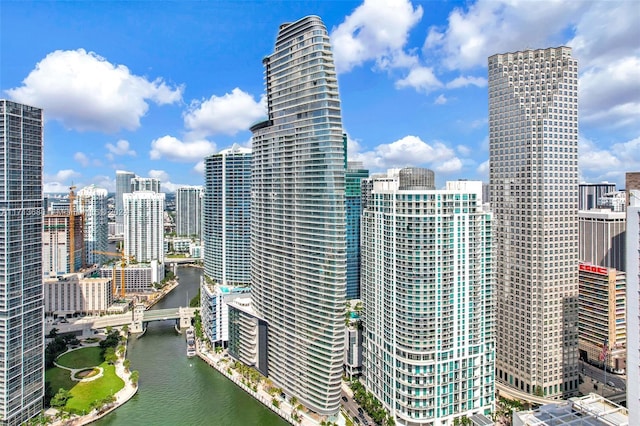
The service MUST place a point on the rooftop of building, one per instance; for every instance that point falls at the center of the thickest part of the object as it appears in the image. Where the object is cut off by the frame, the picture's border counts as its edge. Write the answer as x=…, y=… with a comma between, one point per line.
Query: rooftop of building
x=589, y=410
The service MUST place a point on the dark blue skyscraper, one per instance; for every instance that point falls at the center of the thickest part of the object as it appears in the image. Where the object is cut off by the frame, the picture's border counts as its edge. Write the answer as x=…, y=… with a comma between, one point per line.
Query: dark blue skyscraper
x=353, y=197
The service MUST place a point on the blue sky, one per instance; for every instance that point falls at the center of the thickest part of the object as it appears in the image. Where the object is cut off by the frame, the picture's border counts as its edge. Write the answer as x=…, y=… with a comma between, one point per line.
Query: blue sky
x=154, y=87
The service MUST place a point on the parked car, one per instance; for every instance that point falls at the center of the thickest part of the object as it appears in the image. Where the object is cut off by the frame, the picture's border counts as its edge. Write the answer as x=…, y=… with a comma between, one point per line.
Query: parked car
x=344, y=398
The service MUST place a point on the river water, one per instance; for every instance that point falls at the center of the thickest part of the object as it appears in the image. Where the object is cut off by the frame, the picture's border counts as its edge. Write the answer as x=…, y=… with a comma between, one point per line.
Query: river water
x=176, y=390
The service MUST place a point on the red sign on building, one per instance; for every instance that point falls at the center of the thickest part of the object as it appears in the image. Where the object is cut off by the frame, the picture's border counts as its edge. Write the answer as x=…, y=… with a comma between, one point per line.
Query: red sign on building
x=593, y=268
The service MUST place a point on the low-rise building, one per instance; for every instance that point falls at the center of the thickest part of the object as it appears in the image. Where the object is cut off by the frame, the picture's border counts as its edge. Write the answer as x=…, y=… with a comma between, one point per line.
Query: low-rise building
x=76, y=293
x=589, y=410
x=214, y=310
x=138, y=278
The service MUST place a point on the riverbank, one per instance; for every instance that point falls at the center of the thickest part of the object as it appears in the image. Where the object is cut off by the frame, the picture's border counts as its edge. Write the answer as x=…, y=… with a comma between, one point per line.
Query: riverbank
x=223, y=363
x=121, y=397
x=159, y=295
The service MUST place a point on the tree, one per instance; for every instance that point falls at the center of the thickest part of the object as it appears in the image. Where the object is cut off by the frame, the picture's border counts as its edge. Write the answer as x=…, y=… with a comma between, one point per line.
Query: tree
x=134, y=377
x=126, y=363
x=125, y=329
x=60, y=399
x=110, y=355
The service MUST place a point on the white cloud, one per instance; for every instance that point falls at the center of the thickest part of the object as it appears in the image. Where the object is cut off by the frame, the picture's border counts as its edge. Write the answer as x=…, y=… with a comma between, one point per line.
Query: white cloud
x=159, y=174
x=610, y=95
x=120, y=148
x=106, y=182
x=483, y=170
x=467, y=81
x=441, y=100
x=199, y=167
x=464, y=150
x=376, y=30
x=227, y=114
x=608, y=54
x=495, y=26
x=84, y=91
x=597, y=164
x=420, y=78
x=174, y=149
x=81, y=158
x=60, y=181
x=449, y=166
x=410, y=151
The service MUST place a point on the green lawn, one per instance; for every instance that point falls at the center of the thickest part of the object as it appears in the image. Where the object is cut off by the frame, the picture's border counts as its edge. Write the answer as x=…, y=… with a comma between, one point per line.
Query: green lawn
x=59, y=378
x=81, y=358
x=83, y=394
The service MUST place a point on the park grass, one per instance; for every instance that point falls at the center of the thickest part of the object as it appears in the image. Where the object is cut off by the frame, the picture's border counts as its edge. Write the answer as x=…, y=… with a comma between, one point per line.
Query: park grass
x=59, y=378
x=81, y=358
x=84, y=393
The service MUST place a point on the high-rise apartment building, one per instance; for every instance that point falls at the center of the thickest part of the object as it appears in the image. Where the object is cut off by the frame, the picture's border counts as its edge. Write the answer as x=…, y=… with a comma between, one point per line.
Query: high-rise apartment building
x=92, y=203
x=298, y=243
x=123, y=186
x=145, y=184
x=589, y=194
x=21, y=297
x=57, y=256
x=633, y=293
x=533, y=139
x=353, y=199
x=227, y=216
x=189, y=211
x=427, y=291
x=601, y=235
x=144, y=226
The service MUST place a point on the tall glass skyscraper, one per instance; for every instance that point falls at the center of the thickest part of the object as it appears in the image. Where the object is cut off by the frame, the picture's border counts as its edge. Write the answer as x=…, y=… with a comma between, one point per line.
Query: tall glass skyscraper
x=353, y=196
x=21, y=294
x=123, y=186
x=227, y=216
x=533, y=155
x=92, y=202
x=427, y=291
x=298, y=244
x=189, y=211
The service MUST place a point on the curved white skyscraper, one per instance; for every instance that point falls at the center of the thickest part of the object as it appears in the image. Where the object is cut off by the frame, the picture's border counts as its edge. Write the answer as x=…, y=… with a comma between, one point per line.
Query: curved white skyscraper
x=298, y=242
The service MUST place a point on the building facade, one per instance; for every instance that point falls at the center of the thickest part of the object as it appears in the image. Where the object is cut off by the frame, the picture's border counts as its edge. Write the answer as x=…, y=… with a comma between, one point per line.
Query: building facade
x=214, y=309
x=602, y=317
x=21, y=295
x=298, y=219
x=138, y=278
x=590, y=194
x=227, y=216
x=123, y=186
x=533, y=156
x=92, y=203
x=427, y=293
x=633, y=294
x=57, y=256
x=602, y=238
x=144, y=226
x=75, y=293
x=189, y=211
x=353, y=200
x=145, y=184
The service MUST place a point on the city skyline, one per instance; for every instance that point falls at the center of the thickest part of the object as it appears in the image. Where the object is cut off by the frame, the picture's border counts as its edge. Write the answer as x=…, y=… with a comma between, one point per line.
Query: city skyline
x=165, y=104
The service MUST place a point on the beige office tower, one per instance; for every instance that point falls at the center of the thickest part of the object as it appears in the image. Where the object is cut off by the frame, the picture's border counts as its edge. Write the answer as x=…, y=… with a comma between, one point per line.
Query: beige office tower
x=533, y=137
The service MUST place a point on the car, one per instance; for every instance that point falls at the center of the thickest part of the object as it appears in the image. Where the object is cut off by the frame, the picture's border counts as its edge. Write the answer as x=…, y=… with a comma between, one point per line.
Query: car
x=613, y=385
x=360, y=410
x=356, y=420
x=344, y=398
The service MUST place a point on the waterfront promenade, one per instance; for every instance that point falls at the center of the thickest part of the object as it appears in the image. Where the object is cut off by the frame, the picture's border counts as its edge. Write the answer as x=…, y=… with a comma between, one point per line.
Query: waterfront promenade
x=222, y=362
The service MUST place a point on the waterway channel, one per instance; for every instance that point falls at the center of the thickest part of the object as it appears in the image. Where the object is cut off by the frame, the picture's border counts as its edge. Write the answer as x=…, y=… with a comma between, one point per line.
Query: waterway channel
x=176, y=390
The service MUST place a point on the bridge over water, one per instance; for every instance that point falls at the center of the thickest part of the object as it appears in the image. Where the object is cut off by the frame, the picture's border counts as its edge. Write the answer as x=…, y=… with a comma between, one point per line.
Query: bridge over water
x=137, y=320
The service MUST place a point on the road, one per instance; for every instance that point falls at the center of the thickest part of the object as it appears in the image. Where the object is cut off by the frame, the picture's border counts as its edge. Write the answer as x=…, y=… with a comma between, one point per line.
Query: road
x=596, y=373
x=351, y=407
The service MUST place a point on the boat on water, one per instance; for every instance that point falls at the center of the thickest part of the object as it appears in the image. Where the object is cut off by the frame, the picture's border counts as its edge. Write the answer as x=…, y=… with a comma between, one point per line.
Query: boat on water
x=191, y=342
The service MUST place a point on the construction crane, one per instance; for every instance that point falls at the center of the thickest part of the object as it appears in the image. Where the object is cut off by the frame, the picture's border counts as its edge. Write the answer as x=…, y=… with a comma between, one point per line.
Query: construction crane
x=123, y=264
